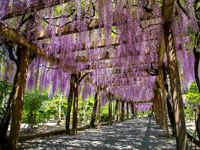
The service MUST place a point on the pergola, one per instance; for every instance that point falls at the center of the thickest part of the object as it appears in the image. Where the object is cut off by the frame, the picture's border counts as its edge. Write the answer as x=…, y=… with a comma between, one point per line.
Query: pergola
x=112, y=49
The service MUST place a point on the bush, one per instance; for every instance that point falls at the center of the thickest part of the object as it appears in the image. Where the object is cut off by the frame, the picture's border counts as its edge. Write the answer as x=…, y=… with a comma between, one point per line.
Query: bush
x=33, y=112
x=5, y=89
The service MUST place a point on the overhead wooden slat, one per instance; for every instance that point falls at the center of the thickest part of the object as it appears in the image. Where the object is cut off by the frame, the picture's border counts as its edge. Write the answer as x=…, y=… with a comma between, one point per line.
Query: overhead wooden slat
x=91, y=25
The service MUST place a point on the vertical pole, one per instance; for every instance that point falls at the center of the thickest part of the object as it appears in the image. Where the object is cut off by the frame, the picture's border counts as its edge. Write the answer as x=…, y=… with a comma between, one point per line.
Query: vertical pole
x=59, y=110
x=110, y=109
x=161, y=54
x=132, y=109
x=155, y=109
x=123, y=111
x=160, y=111
x=181, y=136
x=70, y=99
x=118, y=111
x=98, y=107
x=94, y=111
x=163, y=102
x=127, y=109
x=75, y=106
x=115, y=112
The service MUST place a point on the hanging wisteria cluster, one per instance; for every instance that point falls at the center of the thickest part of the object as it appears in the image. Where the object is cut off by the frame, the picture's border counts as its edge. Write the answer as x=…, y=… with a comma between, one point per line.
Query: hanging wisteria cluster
x=115, y=40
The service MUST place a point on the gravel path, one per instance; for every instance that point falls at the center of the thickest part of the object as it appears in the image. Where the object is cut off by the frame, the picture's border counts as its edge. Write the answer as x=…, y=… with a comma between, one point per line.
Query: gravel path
x=136, y=134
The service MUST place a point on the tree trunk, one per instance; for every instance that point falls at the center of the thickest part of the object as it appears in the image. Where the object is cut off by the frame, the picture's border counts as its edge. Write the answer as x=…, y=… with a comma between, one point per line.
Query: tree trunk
x=110, y=109
x=75, y=105
x=18, y=99
x=123, y=111
x=94, y=111
x=70, y=99
x=98, y=107
x=181, y=136
x=127, y=109
x=7, y=115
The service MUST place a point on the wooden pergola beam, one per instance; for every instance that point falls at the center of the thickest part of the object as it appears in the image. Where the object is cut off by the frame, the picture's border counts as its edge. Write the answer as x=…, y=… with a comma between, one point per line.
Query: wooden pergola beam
x=140, y=101
x=144, y=101
x=117, y=69
x=19, y=39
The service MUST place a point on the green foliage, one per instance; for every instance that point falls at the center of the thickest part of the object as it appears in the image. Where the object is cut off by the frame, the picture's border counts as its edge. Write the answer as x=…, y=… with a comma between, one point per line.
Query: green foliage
x=5, y=89
x=104, y=112
x=85, y=109
x=141, y=114
x=33, y=112
x=192, y=96
x=53, y=105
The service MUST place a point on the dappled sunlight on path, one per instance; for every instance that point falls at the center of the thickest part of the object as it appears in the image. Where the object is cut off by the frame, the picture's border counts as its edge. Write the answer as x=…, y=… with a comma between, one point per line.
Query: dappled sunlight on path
x=136, y=134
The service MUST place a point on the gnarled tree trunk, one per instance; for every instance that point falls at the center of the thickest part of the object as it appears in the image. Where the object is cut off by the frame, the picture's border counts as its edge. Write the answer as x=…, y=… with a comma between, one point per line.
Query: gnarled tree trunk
x=8, y=113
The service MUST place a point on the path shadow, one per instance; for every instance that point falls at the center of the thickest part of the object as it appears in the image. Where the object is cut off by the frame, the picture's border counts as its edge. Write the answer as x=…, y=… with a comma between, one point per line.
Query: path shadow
x=137, y=134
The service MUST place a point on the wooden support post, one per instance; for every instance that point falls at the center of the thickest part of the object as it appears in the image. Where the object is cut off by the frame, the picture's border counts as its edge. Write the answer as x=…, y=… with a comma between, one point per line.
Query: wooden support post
x=160, y=111
x=181, y=136
x=123, y=111
x=18, y=98
x=136, y=111
x=162, y=90
x=98, y=107
x=163, y=102
x=110, y=109
x=132, y=109
x=75, y=105
x=127, y=109
x=156, y=110
x=115, y=118
x=94, y=111
x=118, y=111
x=70, y=100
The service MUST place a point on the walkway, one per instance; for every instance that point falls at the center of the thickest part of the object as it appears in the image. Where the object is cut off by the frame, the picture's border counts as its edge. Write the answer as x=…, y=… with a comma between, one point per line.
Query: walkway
x=136, y=134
